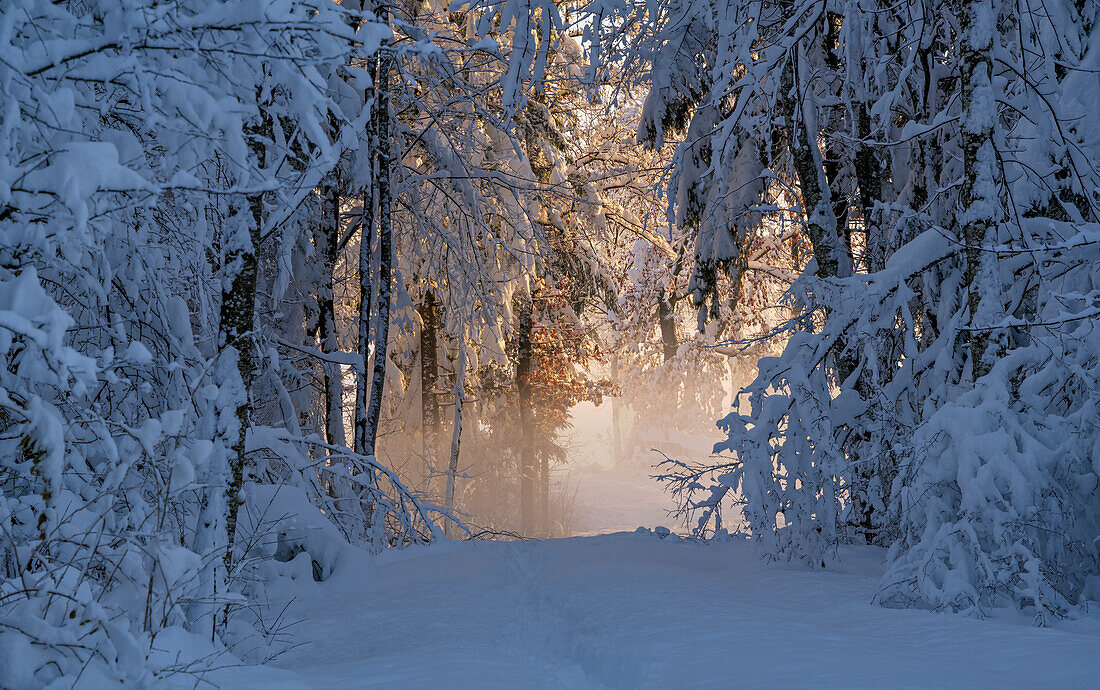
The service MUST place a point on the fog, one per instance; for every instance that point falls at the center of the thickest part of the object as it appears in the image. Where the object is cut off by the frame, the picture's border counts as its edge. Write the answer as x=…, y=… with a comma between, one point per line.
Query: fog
x=614, y=492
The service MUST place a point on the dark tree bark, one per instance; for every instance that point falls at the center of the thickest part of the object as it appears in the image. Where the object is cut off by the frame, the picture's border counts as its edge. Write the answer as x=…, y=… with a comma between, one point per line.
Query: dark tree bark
x=329, y=239
x=366, y=290
x=666, y=310
x=429, y=377
x=817, y=201
x=666, y=320
x=832, y=161
x=869, y=180
x=384, y=155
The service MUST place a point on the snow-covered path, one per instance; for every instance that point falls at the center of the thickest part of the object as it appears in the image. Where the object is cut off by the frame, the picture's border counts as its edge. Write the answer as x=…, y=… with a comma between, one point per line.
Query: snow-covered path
x=625, y=611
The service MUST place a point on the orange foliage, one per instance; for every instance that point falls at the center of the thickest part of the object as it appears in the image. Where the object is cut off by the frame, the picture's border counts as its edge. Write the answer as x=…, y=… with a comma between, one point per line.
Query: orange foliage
x=561, y=347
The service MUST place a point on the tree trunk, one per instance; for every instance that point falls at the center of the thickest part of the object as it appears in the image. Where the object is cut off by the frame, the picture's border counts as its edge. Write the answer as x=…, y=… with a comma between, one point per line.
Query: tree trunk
x=666, y=320
x=367, y=426
x=976, y=63
x=429, y=376
x=832, y=160
x=456, y=433
x=817, y=201
x=366, y=271
x=235, y=323
x=869, y=180
x=329, y=240
x=524, y=366
x=384, y=154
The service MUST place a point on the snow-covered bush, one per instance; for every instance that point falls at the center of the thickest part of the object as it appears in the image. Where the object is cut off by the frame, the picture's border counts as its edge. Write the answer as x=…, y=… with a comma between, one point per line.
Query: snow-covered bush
x=940, y=368
x=132, y=138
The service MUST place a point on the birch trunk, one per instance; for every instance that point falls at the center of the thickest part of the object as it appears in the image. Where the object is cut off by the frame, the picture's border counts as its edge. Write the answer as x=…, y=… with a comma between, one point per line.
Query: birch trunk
x=235, y=323
x=326, y=324
x=456, y=434
x=366, y=289
x=383, y=153
x=977, y=196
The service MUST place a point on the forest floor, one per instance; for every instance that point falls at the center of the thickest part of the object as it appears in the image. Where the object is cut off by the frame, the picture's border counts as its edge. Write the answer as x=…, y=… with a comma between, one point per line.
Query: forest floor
x=637, y=611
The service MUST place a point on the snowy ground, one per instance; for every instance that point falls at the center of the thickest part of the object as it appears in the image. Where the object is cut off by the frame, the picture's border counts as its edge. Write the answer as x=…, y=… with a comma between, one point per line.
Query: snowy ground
x=630, y=610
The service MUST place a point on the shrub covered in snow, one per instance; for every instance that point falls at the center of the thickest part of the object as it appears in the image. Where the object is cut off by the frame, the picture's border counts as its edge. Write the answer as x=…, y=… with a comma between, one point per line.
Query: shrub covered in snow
x=937, y=392
x=130, y=135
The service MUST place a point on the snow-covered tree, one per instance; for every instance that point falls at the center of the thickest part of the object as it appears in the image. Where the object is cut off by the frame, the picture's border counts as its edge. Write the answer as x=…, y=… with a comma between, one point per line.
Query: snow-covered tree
x=155, y=165
x=931, y=155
